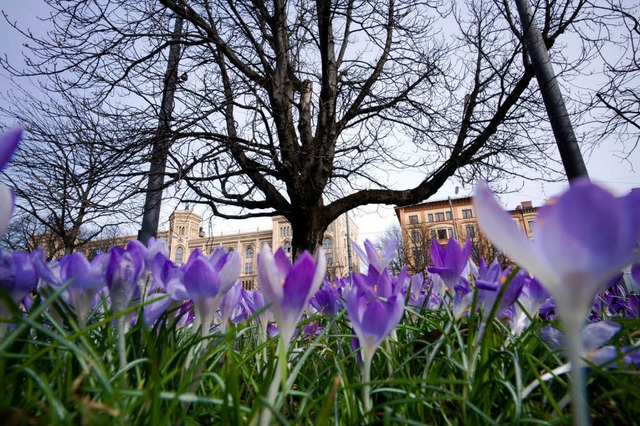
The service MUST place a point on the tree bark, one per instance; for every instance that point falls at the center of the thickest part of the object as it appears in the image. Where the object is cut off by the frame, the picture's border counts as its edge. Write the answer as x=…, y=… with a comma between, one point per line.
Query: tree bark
x=153, y=199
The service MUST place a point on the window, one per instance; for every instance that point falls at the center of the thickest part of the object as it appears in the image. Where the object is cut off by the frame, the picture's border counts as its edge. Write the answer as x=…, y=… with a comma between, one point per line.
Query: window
x=181, y=230
x=179, y=255
x=467, y=214
x=413, y=219
x=531, y=223
x=433, y=233
x=327, y=243
x=248, y=267
x=450, y=232
x=287, y=248
x=471, y=233
x=442, y=234
x=415, y=235
x=249, y=253
x=285, y=231
x=329, y=257
x=439, y=216
x=430, y=216
x=449, y=216
x=417, y=255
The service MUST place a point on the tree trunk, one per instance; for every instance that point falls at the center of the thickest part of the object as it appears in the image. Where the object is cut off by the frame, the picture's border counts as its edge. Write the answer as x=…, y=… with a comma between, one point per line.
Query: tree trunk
x=308, y=231
x=153, y=200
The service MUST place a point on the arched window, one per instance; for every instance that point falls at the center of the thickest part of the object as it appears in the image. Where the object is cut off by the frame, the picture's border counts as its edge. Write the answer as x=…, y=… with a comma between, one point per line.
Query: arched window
x=327, y=243
x=179, y=255
x=287, y=248
x=249, y=253
x=181, y=230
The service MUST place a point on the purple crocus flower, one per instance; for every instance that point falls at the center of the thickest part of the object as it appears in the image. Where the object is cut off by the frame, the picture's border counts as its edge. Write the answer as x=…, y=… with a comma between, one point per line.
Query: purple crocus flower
x=325, y=301
x=489, y=283
x=17, y=275
x=372, y=317
x=571, y=260
x=207, y=279
x=156, y=306
x=230, y=305
x=288, y=287
x=255, y=304
x=378, y=259
x=87, y=278
x=449, y=262
x=531, y=299
x=169, y=276
x=122, y=272
x=593, y=337
x=8, y=143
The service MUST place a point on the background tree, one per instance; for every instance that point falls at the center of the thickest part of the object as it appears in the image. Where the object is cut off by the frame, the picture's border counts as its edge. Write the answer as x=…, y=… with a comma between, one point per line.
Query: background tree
x=417, y=242
x=68, y=174
x=398, y=262
x=302, y=108
x=23, y=233
x=615, y=105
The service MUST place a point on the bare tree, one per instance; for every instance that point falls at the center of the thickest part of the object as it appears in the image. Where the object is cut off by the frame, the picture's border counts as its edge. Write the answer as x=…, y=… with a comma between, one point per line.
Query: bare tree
x=615, y=106
x=24, y=233
x=68, y=173
x=301, y=108
x=417, y=242
x=400, y=260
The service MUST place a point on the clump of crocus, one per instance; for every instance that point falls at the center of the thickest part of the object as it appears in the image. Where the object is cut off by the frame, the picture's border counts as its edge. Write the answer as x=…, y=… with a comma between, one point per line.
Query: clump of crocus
x=8, y=144
x=374, y=307
x=571, y=260
x=287, y=288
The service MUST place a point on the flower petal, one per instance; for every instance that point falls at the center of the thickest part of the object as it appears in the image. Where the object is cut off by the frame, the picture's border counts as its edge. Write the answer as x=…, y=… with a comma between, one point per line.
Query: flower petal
x=269, y=279
x=200, y=280
x=596, y=334
x=230, y=271
x=298, y=284
x=8, y=143
x=498, y=226
x=572, y=220
x=7, y=201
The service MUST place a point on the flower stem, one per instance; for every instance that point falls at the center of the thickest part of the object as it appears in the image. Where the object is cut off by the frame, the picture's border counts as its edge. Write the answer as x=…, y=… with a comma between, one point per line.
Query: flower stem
x=122, y=349
x=578, y=392
x=366, y=387
x=279, y=377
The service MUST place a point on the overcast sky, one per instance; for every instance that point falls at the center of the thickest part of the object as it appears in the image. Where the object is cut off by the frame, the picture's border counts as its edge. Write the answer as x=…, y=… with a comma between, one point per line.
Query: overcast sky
x=604, y=164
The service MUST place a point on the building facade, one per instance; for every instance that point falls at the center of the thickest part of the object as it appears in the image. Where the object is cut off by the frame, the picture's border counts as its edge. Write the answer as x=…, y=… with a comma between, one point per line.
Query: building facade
x=186, y=234
x=441, y=220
